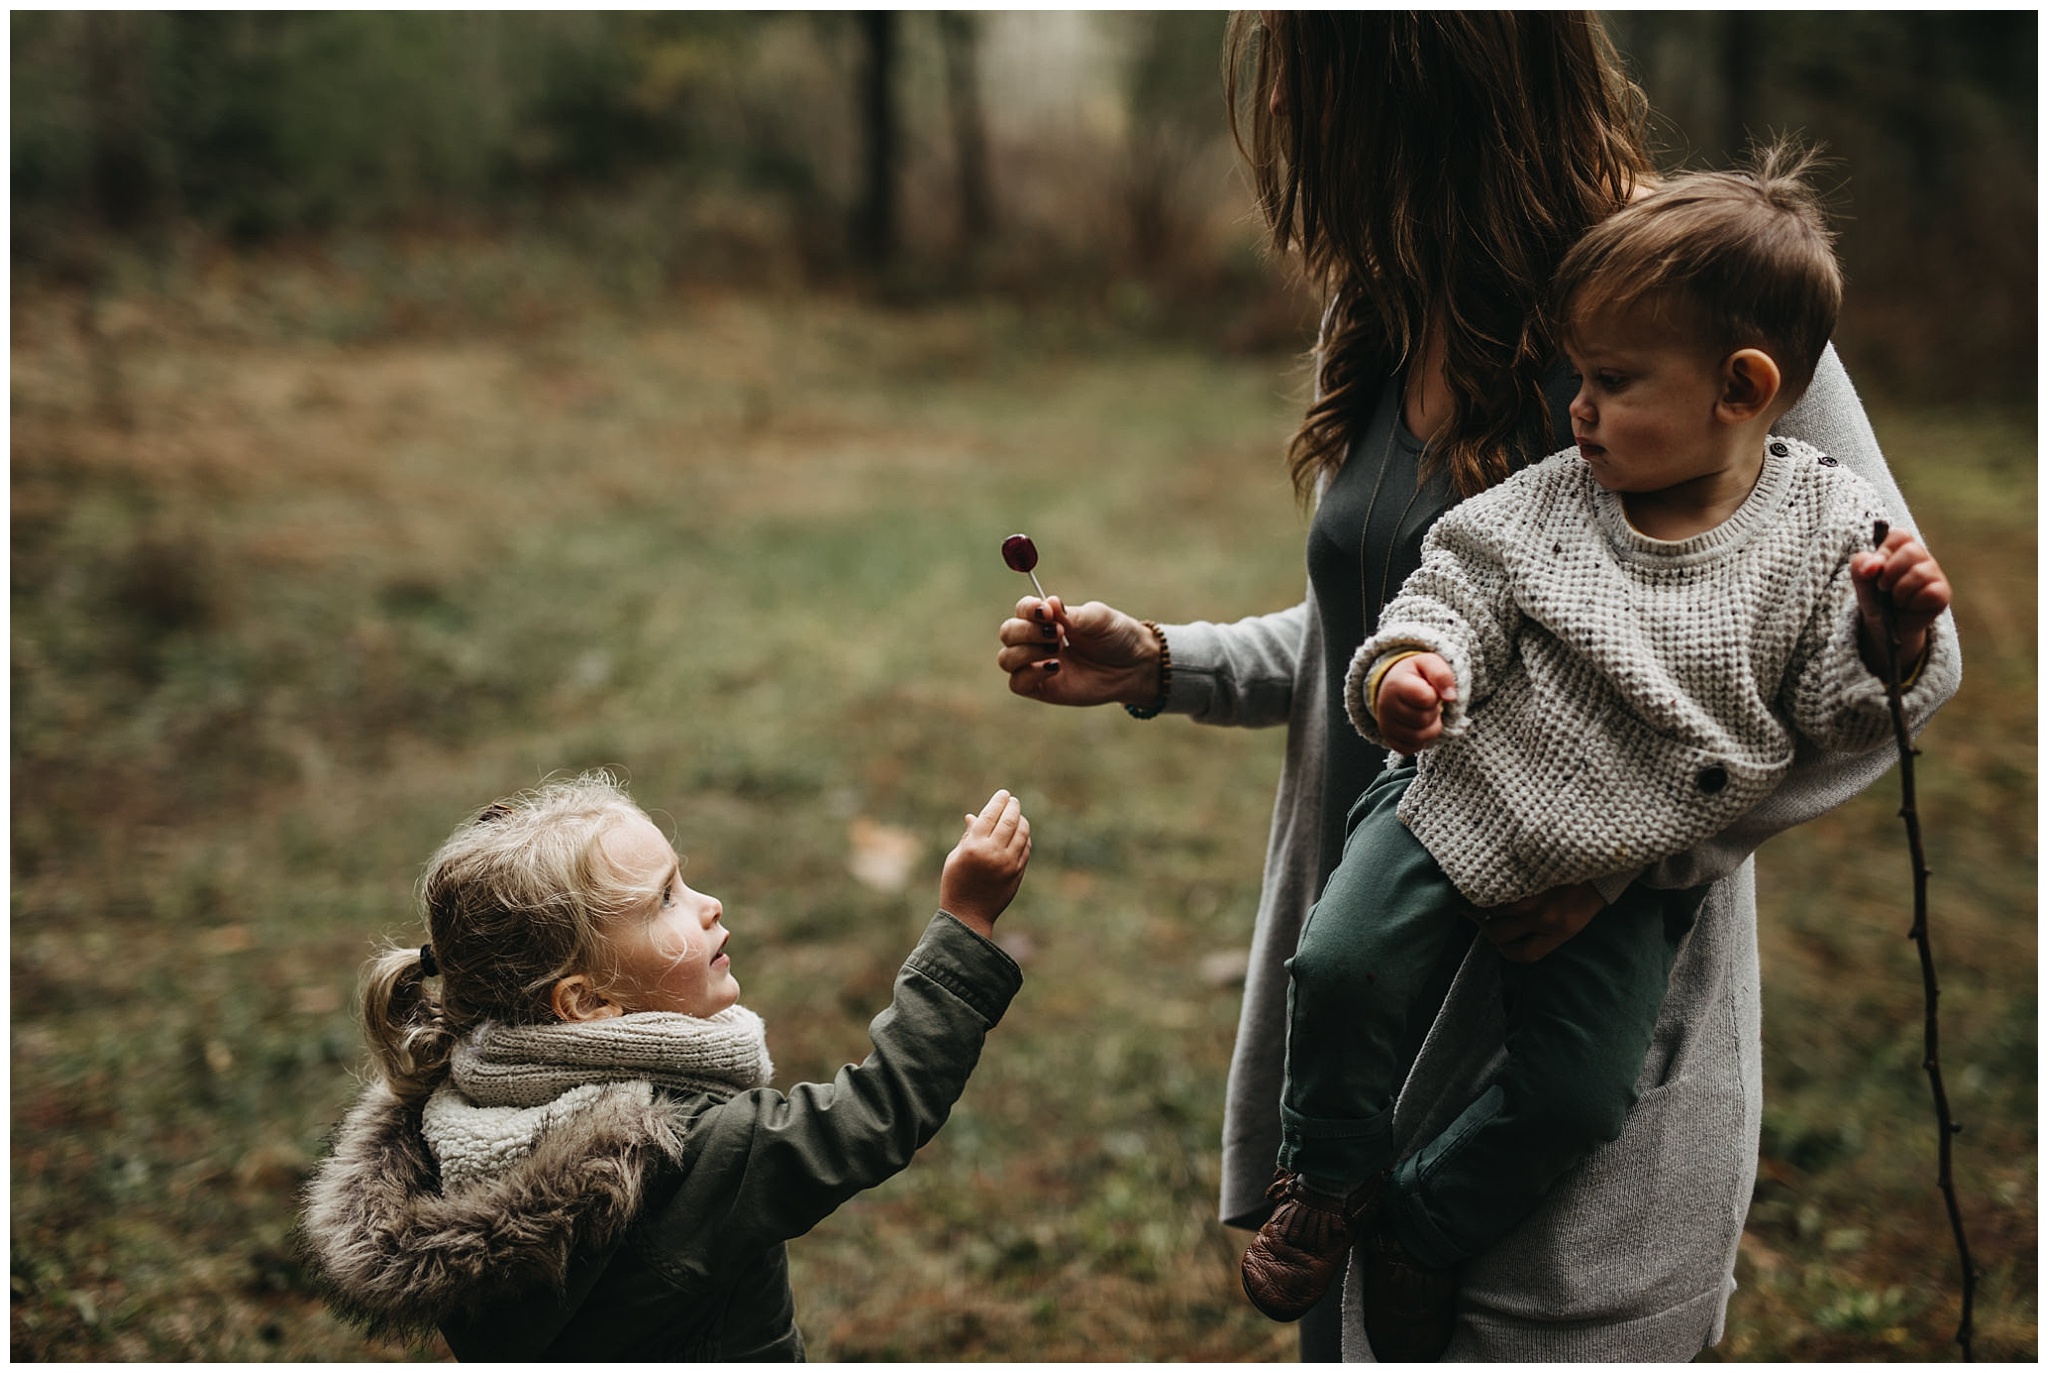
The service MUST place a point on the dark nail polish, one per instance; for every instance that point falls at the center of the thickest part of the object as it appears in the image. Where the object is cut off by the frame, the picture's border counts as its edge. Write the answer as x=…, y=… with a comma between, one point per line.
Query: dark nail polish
x=1052, y=666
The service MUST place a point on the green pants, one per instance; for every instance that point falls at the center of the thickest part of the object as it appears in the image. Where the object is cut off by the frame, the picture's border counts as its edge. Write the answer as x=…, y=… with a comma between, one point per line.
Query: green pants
x=1362, y=988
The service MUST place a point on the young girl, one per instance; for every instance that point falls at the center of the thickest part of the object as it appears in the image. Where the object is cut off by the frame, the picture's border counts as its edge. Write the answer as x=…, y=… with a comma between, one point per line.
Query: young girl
x=571, y=1148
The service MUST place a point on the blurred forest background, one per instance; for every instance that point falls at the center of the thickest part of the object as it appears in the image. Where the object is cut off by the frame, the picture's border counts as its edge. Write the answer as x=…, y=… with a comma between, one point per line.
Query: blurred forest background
x=407, y=405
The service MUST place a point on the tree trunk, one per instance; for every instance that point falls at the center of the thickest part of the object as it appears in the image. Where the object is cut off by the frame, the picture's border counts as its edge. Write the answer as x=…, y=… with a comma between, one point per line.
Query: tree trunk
x=119, y=192
x=957, y=35
x=1921, y=130
x=120, y=183
x=1741, y=49
x=875, y=221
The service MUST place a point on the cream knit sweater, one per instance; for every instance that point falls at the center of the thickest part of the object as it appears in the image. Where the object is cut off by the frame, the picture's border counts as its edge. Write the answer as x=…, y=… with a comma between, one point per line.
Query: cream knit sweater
x=1623, y=698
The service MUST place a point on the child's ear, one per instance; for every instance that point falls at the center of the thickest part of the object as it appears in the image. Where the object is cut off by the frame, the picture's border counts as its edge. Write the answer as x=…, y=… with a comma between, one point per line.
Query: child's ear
x=576, y=998
x=1750, y=382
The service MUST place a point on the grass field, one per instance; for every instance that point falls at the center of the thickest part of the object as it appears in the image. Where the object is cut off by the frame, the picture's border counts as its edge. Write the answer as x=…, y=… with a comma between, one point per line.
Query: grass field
x=309, y=559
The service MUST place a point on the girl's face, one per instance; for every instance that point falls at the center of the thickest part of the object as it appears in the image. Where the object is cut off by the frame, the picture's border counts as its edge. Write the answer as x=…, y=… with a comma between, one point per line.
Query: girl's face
x=670, y=951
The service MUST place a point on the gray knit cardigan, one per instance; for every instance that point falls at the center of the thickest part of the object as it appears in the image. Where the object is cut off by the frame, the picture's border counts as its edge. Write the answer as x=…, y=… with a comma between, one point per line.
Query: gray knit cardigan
x=1632, y=1255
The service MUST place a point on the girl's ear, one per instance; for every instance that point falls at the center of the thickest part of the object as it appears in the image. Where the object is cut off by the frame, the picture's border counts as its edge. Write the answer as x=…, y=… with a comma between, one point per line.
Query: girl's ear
x=1750, y=382
x=576, y=998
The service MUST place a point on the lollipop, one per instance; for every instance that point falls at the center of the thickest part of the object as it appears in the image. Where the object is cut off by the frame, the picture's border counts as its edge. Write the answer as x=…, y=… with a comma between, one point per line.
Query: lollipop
x=1022, y=555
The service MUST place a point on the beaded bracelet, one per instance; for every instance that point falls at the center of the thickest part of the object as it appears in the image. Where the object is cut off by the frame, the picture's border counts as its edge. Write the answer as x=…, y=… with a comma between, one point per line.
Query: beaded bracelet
x=1165, y=677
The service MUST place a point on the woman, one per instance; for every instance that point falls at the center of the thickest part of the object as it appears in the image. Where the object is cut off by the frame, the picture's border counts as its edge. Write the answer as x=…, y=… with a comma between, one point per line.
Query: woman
x=1431, y=169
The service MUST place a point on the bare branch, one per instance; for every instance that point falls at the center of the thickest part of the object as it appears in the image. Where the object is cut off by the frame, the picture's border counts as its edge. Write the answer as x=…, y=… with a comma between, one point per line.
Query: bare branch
x=1947, y=1129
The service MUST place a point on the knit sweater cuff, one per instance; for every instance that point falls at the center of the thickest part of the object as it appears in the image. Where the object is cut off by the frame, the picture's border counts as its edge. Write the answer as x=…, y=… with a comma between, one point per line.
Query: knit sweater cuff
x=1404, y=638
x=1856, y=704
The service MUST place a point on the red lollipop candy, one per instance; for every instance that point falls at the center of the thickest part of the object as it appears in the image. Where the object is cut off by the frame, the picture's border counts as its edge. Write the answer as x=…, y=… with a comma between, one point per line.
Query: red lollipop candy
x=1021, y=555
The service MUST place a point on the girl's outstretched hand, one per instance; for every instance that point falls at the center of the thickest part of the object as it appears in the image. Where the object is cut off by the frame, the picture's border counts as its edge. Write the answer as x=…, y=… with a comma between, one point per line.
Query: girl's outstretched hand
x=1108, y=656
x=985, y=868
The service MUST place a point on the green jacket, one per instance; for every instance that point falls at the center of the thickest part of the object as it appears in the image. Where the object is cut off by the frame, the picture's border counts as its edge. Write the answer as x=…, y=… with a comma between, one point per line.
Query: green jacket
x=653, y=1226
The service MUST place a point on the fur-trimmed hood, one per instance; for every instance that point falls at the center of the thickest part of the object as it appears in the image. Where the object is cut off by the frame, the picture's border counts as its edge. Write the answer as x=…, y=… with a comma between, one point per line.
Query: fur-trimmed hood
x=398, y=1254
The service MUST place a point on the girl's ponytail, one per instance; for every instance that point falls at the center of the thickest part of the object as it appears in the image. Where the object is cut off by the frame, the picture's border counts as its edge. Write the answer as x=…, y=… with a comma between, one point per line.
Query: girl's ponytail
x=408, y=1030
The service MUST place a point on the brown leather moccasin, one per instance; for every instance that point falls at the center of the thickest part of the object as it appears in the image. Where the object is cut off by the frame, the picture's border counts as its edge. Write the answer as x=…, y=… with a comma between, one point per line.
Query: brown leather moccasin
x=1301, y=1248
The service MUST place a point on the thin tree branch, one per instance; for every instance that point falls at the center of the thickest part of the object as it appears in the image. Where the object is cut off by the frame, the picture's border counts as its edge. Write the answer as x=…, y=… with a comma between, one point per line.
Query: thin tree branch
x=1947, y=1129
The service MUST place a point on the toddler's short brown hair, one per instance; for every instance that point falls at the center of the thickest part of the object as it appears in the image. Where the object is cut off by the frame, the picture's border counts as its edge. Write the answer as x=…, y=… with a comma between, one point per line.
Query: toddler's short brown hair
x=1744, y=259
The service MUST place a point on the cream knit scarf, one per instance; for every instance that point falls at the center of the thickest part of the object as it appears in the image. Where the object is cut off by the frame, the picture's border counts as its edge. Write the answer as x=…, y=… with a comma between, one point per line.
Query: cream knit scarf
x=510, y=1084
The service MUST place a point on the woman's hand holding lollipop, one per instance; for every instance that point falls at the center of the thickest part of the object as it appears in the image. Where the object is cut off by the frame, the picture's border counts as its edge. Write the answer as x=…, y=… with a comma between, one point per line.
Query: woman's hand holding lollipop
x=1091, y=655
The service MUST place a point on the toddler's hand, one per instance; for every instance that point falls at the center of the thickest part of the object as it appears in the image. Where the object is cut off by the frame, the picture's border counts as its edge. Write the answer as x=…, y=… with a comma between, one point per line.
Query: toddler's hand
x=1906, y=572
x=1410, y=704
x=985, y=868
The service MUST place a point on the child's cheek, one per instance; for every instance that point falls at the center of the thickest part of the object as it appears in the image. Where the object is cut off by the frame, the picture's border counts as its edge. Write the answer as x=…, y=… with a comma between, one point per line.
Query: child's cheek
x=686, y=951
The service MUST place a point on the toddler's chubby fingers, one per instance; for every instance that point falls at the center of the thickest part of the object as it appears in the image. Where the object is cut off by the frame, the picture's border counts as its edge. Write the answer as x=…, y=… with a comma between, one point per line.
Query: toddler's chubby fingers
x=1895, y=539
x=1901, y=554
x=1411, y=713
x=1418, y=683
x=1404, y=694
x=1437, y=674
x=1906, y=573
x=1921, y=577
x=1413, y=740
x=1900, y=561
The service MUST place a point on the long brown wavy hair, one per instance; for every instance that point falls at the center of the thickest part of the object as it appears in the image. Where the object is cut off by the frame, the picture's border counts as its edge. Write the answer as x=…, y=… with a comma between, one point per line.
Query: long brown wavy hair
x=1432, y=168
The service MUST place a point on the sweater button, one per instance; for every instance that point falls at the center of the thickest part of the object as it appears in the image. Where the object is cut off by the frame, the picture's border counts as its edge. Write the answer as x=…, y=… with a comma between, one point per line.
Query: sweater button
x=1826, y=461
x=1779, y=450
x=1712, y=778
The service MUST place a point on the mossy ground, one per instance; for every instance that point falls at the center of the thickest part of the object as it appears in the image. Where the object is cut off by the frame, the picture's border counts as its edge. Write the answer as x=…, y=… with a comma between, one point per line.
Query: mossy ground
x=309, y=559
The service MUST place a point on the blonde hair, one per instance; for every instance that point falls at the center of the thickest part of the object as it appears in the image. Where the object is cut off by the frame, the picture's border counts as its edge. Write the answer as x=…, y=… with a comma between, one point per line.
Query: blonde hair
x=520, y=896
x=1738, y=259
